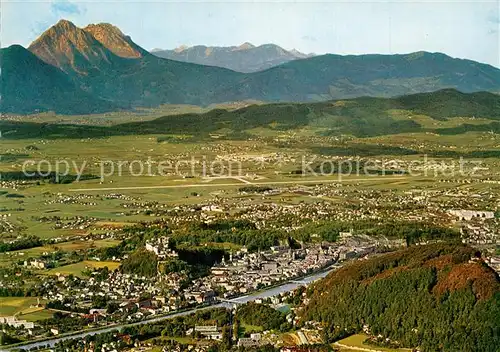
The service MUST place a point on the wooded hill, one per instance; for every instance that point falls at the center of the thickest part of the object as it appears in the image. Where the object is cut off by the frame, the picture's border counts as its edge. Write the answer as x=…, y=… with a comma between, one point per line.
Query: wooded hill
x=361, y=117
x=439, y=297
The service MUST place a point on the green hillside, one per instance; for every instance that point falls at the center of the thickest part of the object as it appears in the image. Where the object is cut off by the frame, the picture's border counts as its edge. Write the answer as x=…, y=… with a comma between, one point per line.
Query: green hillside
x=450, y=102
x=151, y=81
x=361, y=117
x=29, y=85
x=432, y=297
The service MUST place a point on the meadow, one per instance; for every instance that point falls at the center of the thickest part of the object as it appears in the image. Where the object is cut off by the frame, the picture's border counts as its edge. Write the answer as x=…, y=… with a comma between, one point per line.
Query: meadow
x=18, y=305
x=78, y=268
x=8, y=258
x=24, y=308
x=357, y=343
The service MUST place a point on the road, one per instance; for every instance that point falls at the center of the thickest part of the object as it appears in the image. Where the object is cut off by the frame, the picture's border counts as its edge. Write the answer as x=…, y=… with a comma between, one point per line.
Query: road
x=204, y=185
x=285, y=287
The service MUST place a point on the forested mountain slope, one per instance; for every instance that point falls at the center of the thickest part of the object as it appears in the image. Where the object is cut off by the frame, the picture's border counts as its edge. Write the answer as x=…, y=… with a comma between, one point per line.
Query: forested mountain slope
x=438, y=297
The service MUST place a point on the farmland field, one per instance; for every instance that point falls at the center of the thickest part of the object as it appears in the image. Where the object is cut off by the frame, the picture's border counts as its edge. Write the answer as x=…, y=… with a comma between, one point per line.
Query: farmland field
x=76, y=269
x=357, y=344
x=17, y=305
x=37, y=315
x=25, y=254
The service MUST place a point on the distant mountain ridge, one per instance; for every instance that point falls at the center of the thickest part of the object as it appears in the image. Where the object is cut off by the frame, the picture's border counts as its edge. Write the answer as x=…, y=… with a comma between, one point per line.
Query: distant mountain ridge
x=105, y=65
x=361, y=117
x=337, y=77
x=244, y=58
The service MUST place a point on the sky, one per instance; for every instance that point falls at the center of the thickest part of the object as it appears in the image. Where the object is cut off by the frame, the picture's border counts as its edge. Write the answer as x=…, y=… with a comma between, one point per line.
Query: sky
x=463, y=29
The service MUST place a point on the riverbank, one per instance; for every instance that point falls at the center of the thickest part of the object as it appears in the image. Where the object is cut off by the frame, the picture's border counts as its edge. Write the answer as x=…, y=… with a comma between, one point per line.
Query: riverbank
x=262, y=294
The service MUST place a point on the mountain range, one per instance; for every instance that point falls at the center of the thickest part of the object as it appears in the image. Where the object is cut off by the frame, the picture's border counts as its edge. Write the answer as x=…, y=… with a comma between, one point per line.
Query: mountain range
x=244, y=58
x=74, y=70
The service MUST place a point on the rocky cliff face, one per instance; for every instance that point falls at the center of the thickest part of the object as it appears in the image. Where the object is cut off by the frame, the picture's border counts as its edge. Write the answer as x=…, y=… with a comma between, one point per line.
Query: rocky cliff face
x=70, y=48
x=114, y=40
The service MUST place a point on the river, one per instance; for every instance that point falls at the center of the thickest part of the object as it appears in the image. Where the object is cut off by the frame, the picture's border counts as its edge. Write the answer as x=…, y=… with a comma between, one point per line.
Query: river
x=276, y=290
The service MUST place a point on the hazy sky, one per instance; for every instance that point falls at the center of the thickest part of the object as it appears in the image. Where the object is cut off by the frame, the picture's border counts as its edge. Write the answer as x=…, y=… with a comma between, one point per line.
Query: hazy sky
x=465, y=29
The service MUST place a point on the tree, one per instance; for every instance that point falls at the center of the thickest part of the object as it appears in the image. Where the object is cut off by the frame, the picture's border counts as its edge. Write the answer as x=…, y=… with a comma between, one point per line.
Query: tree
x=140, y=262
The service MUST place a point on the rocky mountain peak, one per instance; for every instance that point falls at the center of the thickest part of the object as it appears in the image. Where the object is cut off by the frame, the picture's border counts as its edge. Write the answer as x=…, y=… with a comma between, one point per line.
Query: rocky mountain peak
x=113, y=39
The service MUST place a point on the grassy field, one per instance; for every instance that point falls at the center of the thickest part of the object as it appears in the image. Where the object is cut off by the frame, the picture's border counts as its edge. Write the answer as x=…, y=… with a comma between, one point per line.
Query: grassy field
x=82, y=245
x=110, y=212
x=35, y=315
x=90, y=199
x=18, y=305
x=290, y=339
x=249, y=329
x=20, y=255
x=39, y=200
x=356, y=342
x=77, y=268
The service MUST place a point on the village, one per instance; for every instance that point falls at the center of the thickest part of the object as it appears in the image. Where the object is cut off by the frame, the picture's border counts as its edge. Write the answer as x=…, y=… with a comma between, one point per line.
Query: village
x=111, y=297
x=102, y=295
